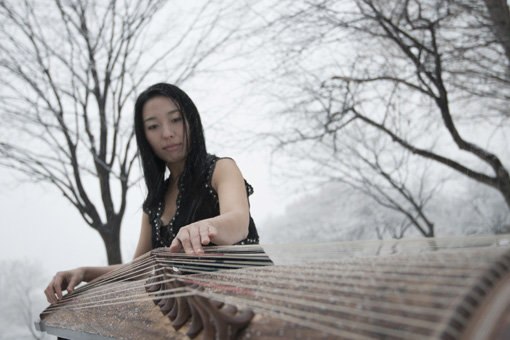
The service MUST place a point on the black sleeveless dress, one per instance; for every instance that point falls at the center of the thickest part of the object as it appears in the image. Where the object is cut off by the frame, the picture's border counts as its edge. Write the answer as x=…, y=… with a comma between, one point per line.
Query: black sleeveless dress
x=191, y=209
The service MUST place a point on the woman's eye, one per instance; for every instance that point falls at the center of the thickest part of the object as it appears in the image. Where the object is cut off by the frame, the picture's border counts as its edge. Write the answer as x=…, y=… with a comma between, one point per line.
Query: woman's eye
x=152, y=127
x=176, y=120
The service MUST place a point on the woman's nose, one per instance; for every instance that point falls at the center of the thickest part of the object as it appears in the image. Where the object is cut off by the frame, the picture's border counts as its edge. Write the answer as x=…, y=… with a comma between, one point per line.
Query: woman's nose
x=167, y=131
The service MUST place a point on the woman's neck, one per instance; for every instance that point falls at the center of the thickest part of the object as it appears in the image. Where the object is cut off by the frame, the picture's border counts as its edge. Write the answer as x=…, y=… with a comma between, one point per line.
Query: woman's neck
x=176, y=170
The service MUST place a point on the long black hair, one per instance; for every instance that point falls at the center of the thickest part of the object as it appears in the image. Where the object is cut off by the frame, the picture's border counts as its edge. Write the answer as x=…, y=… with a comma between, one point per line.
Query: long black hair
x=153, y=167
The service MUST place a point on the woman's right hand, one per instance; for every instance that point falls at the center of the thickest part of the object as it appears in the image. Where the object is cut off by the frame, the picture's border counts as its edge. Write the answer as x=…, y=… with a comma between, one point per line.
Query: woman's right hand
x=65, y=280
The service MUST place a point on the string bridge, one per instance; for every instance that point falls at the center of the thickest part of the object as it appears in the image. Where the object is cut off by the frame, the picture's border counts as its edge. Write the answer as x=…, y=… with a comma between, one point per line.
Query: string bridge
x=182, y=300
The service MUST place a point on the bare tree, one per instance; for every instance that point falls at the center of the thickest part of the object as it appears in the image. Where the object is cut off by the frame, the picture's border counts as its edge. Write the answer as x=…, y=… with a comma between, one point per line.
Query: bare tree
x=479, y=211
x=416, y=32
x=411, y=72
x=69, y=72
x=392, y=187
x=396, y=181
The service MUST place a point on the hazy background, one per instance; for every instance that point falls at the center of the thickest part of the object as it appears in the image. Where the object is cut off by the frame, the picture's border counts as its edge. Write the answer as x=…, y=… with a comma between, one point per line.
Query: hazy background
x=277, y=94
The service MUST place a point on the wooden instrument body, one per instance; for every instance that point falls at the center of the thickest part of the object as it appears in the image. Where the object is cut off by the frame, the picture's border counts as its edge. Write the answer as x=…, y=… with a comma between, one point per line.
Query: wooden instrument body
x=439, y=292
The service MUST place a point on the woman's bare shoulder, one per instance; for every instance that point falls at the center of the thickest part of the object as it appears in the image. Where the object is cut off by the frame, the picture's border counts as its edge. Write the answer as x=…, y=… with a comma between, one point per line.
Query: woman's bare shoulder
x=226, y=168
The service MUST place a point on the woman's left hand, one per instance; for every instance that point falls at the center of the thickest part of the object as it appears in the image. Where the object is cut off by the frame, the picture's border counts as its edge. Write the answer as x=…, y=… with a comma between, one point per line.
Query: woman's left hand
x=192, y=237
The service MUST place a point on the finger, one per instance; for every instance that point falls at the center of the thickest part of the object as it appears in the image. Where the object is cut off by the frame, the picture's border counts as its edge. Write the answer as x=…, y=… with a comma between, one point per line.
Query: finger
x=50, y=294
x=194, y=235
x=204, y=236
x=57, y=286
x=212, y=231
x=184, y=238
x=175, y=246
x=72, y=283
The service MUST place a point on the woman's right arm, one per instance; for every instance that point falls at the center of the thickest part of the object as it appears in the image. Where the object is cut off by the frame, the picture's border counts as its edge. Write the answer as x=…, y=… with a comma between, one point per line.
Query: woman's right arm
x=69, y=279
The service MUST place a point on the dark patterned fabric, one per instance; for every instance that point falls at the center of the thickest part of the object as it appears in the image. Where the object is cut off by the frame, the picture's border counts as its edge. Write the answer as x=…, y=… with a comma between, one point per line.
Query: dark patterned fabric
x=192, y=209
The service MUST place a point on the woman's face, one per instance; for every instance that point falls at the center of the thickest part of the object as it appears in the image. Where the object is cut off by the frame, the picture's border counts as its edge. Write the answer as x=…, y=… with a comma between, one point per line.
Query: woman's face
x=164, y=129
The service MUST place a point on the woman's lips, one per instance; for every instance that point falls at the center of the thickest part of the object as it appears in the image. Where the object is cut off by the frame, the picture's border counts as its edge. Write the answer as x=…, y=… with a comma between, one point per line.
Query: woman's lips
x=172, y=147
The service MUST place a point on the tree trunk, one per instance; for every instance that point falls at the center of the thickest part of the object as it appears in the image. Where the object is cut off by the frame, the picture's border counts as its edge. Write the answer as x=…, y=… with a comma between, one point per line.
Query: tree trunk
x=504, y=186
x=500, y=16
x=111, y=237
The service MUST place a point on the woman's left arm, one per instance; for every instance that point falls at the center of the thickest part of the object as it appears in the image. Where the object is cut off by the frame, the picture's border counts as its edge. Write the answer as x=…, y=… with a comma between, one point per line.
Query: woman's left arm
x=231, y=225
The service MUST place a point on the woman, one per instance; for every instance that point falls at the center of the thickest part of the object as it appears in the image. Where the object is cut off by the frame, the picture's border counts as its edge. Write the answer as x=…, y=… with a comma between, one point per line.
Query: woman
x=203, y=201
